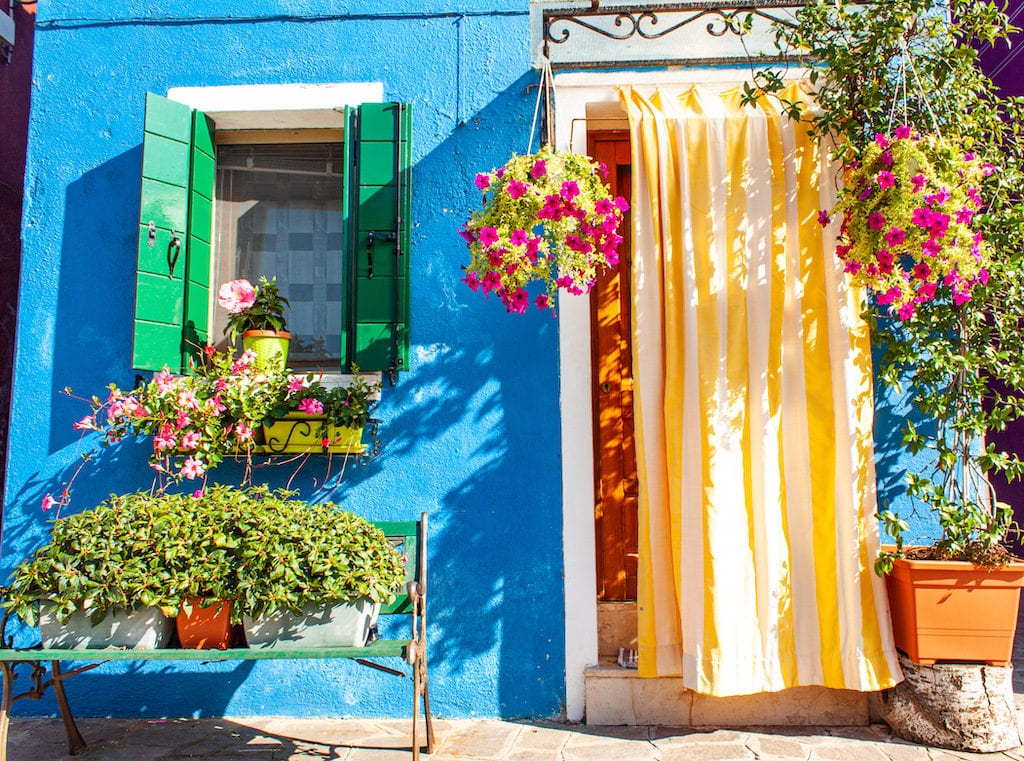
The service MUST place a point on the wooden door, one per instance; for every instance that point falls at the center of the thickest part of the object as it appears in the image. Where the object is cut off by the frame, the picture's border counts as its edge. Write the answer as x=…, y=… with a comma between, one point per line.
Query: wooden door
x=615, y=476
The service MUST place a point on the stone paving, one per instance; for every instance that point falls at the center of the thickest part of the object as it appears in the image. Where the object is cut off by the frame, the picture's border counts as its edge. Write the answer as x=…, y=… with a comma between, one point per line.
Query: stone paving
x=270, y=739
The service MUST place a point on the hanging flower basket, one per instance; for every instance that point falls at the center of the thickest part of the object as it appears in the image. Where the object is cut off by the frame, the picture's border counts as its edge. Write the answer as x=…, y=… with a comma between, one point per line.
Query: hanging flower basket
x=546, y=217
x=909, y=231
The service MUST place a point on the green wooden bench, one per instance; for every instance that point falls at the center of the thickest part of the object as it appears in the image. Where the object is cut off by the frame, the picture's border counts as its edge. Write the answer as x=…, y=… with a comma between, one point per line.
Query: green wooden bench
x=410, y=536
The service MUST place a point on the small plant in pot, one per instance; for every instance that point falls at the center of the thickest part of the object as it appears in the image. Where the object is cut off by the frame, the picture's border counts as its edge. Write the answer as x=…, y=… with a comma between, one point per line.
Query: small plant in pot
x=311, y=574
x=313, y=417
x=257, y=314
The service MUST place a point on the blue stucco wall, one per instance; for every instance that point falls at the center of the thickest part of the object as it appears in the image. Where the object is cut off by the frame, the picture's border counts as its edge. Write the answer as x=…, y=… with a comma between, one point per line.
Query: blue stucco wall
x=470, y=433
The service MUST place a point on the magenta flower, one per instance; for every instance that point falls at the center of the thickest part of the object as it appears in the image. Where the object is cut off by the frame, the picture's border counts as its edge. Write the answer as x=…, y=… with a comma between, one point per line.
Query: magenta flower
x=975, y=195
x=824, y=218
x=964, y=216
x=311, y=406
x=988, y=169
x=518, y=238
x=881, y=141
x=865, y=194
x=876, y=220
x=236, y=296
x=906, y=311
x=519, y=301
x=491, y=282
x=472, y=280
x=921, y=271
x=570, y=190
x=622, y=204
x=921, y=217
x=517, y=189
x=198, y=494
x=885, y=180
x=852, y=267
x=603, y=169
x=938, y=198
x=895, y=237
x=612, y=257
x=918, y=181
x=483, y=180
x=886, y=158
x=925, y=292
x=539, y=169
x=604, y=206
x=532, y=247
x=983, y=276
x=885, y=260
x=939, y=225
x=541, y=301
x=902, y=132
x=931, y=247
x=488, y=236
x=467, y=235
x=495, y=258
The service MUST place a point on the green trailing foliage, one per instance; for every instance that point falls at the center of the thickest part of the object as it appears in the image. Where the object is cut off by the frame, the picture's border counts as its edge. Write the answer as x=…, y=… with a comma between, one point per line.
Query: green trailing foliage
x=260, y=549
x=875, y=67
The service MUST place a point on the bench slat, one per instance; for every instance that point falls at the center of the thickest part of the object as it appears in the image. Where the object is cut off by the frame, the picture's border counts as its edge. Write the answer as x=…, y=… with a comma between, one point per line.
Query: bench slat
x=382, y=648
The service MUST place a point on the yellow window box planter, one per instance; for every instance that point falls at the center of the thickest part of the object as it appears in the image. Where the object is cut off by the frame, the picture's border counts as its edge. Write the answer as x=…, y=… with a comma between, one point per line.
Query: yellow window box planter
x=299, y=433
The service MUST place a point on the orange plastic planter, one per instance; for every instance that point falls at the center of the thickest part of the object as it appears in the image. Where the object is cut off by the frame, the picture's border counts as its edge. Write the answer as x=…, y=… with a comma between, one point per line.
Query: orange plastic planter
x=206, y=628
x=954, y=611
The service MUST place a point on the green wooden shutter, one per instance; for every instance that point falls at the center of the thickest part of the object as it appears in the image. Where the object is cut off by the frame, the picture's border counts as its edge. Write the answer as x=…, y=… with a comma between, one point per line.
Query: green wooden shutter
x=200, y=231
x=378, y=188
x=160, y=269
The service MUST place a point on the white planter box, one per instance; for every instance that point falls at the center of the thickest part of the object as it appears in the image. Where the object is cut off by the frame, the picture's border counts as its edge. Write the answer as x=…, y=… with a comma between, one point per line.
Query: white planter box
x=145, y=629
x=337, y=625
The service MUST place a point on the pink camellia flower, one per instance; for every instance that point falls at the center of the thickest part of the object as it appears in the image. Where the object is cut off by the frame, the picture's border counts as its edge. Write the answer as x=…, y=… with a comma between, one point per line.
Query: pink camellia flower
x=49, y=503
x=236, y=295
x=483, y=180
x=539, y=168
x=886, y=180
x=88, y=423
x=311, y=406
x=488, y=236
x=192, y=468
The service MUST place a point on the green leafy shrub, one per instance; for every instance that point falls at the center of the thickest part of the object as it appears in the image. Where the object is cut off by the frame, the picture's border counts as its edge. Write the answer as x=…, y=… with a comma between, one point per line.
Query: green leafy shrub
x=259, y=548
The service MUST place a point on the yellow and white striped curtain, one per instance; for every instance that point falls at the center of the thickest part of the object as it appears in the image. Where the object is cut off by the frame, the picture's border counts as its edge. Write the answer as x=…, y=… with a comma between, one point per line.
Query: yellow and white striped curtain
x=753, y=408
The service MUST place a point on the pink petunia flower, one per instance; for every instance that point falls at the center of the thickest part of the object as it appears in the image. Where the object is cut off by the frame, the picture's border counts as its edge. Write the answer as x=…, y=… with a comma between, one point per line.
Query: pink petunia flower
x=823, y=218
x=902, y=132
x=918, y=181
x=886, y=180
x=236, y=295
x=518, y=238
x=876, y=220
x=482, y=181
x=881, y=141
x=539, y=168
x=517, y=189
x=896, y=236
x=488, y=236
x=570, y=190
x=541, y=301
x=472, y=280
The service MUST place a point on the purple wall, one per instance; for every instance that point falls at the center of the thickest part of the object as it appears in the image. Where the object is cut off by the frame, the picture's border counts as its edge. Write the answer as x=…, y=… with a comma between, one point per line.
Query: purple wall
x=15, y=91
x=1005, y=65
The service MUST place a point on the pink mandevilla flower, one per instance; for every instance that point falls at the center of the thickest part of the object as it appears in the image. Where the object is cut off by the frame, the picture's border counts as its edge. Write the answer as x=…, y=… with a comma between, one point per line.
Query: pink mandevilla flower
x=87, y=423
x=236, y=295
x=192, y=468
x=49, y=503
x=311, y=406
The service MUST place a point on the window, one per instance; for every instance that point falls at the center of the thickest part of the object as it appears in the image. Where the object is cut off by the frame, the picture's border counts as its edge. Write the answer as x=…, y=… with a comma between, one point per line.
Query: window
x=329, y=218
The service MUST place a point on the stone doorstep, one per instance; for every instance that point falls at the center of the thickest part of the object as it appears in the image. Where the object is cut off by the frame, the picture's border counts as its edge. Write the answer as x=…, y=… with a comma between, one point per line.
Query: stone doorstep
x=617, y=696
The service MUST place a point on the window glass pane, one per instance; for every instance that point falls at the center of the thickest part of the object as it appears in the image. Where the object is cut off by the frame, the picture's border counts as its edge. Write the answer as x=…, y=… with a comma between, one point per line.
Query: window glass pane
x=278, y=214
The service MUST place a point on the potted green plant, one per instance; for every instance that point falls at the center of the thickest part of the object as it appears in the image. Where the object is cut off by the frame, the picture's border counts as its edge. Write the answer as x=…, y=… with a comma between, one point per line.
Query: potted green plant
x=546, y=217
x=311, y=575
x=313, y=417
x=257, y=314
x=246, y=553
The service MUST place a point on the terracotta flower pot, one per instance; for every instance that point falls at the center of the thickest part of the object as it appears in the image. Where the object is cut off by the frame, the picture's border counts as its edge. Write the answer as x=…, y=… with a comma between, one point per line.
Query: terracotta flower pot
x=206, y=628
x=270, y=346
x=954, y=611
